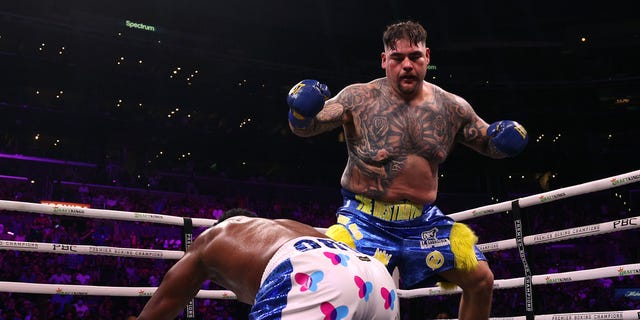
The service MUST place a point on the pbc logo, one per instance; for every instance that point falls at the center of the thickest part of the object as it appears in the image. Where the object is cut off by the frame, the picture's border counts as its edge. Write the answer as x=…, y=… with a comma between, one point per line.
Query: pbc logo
x=624, y=223
x=64, y=247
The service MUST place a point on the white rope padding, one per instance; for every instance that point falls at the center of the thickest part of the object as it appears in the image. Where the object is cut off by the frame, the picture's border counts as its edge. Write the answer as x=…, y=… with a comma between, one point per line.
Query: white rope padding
x=551, y=278
x=38, y=288
x=572, y=276
x=623, y=314
x=588, y=187
x=84, y=290
x=553, y=236
x=91, y=250
x=565, y=234
x=77, y=211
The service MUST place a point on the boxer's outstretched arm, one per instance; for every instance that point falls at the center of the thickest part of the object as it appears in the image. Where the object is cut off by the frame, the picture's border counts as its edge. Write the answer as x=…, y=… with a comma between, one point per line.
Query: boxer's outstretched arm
x=181, y=284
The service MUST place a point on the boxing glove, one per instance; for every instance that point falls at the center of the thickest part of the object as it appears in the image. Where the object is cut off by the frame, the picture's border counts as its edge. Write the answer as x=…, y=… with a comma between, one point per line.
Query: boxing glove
x=305, y=100
x=509, y=137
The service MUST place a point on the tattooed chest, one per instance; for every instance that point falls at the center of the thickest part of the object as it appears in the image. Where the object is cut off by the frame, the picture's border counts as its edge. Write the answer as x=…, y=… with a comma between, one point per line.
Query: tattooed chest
x=395, y=135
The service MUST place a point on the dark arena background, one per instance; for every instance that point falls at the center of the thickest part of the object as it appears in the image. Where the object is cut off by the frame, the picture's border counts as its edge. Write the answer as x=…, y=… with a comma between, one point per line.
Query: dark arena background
x=179, y=108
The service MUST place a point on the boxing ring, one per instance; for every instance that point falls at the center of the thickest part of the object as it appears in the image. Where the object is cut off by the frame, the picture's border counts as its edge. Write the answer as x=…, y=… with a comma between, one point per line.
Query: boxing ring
x=514, y=207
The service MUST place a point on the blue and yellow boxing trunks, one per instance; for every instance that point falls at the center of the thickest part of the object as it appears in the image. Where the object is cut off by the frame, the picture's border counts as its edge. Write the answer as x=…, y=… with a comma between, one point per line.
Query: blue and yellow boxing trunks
x=418, y=239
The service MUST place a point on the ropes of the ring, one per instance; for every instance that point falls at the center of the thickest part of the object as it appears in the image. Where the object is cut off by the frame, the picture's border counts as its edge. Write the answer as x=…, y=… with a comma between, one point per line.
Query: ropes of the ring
x=77, y=211
x=565, y=234
x=517, y=205
x=583, y=231
x=553, y=236
x=626, y=314
x=572, y=276
x=84, y=212
x=89, y=250
x=562, y=193
x=74, y=211
x=85, y=290
x=551, y=278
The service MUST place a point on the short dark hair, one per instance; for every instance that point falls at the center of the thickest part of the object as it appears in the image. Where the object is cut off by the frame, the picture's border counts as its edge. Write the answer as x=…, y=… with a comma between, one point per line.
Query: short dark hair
x=405, y=29
x=234, y=213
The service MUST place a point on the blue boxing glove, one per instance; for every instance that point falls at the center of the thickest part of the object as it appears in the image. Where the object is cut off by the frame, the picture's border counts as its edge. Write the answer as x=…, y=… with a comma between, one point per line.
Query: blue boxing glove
x=305, y=100
x=509, y=137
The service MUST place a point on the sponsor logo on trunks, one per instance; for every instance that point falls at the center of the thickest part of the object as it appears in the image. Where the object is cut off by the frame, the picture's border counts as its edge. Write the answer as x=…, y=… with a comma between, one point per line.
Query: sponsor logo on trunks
x=430, y=239
x=435, y=260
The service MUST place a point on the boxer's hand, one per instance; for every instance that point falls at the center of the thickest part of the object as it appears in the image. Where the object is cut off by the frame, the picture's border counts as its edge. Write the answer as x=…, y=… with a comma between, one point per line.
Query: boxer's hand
x=509, y=137
x=305, y=100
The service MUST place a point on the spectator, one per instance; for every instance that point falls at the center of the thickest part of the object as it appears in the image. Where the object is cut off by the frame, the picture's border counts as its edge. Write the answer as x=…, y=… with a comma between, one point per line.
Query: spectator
x=82, y=310
x=60, y=277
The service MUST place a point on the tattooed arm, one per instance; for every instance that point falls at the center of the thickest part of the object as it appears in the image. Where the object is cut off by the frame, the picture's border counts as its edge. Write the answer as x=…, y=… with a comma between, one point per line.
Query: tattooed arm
x=473, y=131
x=332, y=115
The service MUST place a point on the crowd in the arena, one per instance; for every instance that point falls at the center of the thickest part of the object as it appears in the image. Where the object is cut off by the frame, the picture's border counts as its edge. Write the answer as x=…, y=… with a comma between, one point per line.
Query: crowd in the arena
x=38, y=267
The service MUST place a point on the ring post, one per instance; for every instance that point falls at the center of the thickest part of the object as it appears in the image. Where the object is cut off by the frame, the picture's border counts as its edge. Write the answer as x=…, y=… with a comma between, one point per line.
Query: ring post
x=187, y=237
x=528, y=283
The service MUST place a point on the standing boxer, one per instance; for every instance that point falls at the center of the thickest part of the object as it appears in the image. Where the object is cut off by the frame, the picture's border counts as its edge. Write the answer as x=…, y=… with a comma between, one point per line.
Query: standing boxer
x=398, y=130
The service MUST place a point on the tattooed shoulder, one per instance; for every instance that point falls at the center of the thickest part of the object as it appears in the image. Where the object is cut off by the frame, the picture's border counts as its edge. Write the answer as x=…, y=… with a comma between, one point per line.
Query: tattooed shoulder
x=453, y=103
x=360, y=94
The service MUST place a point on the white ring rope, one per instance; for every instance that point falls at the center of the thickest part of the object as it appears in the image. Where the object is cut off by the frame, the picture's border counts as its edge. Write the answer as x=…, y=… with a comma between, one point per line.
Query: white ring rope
x=625, y=314
x=565, y=234
x=587, y=187
x=91, y=250
x=78, y=211
x=571, y=276
x=551, y=278
x=83, y=290
x=553, y=236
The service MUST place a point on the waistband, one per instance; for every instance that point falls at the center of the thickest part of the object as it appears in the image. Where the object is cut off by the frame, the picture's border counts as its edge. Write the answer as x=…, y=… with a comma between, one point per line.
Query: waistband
x=286, y=251
x=389, y=211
